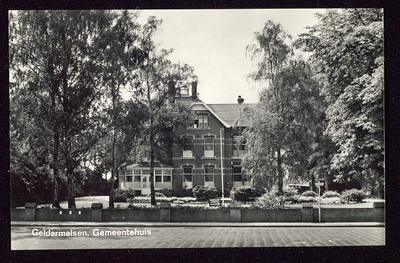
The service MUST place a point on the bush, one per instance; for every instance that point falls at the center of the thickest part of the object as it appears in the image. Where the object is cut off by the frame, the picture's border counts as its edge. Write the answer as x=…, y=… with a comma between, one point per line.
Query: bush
x=123, y=195
x=246, y=193
x=309, y=193
x=306, y=199
x=353, y=195
x=290, y=192
x=270, y=201
x=294, y=199
x=179, y=192
x=203, y=193
x=330, y=194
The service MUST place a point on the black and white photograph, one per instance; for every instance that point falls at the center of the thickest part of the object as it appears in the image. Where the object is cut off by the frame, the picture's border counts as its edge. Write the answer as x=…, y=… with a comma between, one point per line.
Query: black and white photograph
x=196, y=128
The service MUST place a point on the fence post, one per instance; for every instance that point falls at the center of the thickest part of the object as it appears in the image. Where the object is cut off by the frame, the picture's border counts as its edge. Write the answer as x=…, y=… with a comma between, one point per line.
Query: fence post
x=30, y=211
x=97, y=212
x=235, y=212
x=165, y=212
x=307, y=212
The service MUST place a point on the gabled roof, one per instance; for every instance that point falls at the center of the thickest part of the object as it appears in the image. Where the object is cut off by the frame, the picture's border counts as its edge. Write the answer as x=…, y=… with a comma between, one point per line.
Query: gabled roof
x=227, y=114
x=130, y=164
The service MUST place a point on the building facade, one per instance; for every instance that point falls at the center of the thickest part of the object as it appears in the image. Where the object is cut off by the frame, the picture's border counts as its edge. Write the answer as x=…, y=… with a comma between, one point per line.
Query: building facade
x=211, y=155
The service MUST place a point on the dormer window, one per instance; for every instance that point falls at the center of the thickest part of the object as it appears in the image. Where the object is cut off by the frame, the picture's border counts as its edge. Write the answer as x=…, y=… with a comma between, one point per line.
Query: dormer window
x=200, y=121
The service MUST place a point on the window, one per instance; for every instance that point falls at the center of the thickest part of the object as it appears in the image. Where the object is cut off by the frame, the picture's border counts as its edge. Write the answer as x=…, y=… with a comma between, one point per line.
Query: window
x=209, y=175
x=188, y=176
x=209, y=146
x=237, y=174
x=239, y=147
x=200, y=121
x=187, y=150
x=136, y=178
x=167, y=178
x=158, y=178
x=129, y=179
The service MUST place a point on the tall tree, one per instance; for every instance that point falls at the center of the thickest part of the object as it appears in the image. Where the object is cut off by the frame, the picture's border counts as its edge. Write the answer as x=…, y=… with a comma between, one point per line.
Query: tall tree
x=121, y=55
x=151, y=90
x=55, y=56
x=347, y=45
x=284, y=123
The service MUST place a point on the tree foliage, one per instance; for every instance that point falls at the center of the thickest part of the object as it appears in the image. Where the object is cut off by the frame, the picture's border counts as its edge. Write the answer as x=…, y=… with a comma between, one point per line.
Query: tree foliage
x=347, y=45
x=151, y=91
x=283, y=125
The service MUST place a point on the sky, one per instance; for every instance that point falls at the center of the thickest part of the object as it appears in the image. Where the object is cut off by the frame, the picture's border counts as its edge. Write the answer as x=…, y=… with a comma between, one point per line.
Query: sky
x=214, y=42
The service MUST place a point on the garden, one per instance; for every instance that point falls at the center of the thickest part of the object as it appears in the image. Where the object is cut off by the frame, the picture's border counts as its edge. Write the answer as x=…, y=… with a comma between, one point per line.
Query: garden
x=248, y=197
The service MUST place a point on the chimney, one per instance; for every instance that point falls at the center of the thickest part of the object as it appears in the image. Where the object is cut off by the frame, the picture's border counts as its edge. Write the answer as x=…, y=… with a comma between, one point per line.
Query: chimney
x=240, y=99
x=194, y=90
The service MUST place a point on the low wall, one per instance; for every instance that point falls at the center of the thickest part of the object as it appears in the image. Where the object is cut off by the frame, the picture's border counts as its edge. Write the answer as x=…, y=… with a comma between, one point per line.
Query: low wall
x=232, y=214
x=270, y=215
x=203, y=215
x=350, y=215
x=128, y=215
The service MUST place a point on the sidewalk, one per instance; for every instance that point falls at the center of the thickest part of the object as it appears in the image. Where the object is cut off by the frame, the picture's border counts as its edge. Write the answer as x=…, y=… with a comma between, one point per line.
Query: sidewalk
x=193, y=224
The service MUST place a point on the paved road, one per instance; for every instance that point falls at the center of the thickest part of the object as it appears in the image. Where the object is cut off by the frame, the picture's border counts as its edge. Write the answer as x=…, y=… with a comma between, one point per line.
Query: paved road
x=22, y=237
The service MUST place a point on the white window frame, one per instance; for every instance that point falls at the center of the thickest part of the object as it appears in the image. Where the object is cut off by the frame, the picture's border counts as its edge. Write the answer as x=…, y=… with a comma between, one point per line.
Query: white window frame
x=188, y=184
x=209, y=183
x=209, y=153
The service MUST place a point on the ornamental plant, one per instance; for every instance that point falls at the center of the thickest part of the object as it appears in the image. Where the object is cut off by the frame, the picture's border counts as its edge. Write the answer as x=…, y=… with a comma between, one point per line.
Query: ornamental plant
x=353, y=195
x=246, y=193
x=330, y=194
x=123, y=195
x=204, y=193
x=309, y=193
x=270, y=201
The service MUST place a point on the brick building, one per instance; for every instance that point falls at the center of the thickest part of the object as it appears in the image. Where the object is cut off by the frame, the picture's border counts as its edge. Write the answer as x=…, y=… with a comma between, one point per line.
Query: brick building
x=214, y=127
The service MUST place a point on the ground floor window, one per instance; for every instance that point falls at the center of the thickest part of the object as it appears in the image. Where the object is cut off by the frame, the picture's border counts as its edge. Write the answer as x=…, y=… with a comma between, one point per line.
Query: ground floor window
x=209, y=175
x=187, y=176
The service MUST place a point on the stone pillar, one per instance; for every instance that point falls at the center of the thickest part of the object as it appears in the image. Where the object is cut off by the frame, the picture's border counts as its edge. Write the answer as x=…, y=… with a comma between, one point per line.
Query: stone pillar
x=307, y=212
x=30, y=211
x=165, y=212
x=97, y=212
x=235, y=212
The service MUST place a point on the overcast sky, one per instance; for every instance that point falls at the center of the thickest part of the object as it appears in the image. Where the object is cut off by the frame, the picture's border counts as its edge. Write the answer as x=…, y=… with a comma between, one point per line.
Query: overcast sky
x=214, y=43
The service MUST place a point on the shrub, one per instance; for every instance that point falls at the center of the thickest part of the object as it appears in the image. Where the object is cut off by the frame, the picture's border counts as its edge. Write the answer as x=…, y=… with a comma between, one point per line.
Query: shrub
x=294, y=199
x=290, y=192
x=270, y=201
x=203, y=193
x=178, y=192
x=309, y=193
x=330, y=194
x=246, y=193
x=306, y=199
x=353, y=195
x=123, y=195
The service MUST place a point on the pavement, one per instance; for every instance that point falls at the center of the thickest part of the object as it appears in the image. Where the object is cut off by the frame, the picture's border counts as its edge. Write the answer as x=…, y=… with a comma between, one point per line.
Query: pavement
x=140, y=235
x=193, y=224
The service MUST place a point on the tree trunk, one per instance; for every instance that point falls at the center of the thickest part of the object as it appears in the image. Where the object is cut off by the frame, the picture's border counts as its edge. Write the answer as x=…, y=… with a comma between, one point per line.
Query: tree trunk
x=280, y=173
x=71, y=196
x=56, y=201
x=151, y=178
x=312, y=186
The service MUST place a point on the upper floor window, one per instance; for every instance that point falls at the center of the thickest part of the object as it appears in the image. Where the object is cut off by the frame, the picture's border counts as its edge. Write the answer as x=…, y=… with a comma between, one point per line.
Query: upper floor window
x=239, y=146
x=200, y=121
x=187, y=149
x=208, y=146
